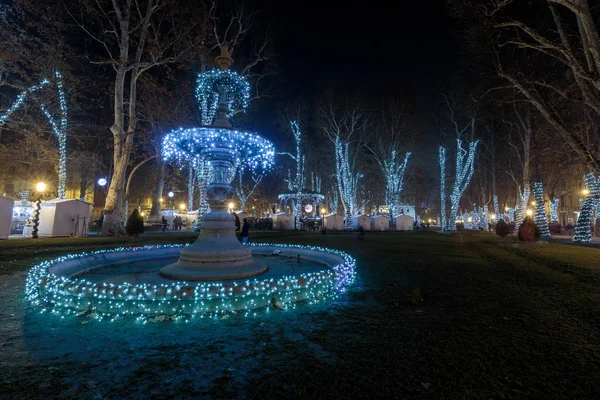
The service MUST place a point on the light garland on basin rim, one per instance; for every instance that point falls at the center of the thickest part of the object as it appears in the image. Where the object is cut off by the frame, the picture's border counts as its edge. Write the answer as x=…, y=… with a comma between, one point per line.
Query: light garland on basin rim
x=246, y=148
x=182, y=300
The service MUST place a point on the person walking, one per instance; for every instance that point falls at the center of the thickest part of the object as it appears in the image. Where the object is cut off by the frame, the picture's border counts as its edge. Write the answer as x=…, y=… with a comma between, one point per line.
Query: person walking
x=245, y=234
x=164, y=223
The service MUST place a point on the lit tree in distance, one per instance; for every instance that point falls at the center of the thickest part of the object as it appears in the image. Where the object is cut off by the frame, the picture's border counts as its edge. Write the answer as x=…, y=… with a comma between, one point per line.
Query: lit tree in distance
x=465, y=163
x=393, y=171
x=296, y=184
x=442, y=162
x=58, y=124
x=583, y=230
x=392, y=136
x=343, y=126
x=244, y=194
x=333, y=200
x=540, y=218
x=553, y=210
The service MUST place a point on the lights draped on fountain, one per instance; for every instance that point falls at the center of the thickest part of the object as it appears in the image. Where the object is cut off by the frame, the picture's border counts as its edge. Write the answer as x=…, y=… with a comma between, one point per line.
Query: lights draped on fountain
x=216, y=274
x=217, y=253
x=75, y=295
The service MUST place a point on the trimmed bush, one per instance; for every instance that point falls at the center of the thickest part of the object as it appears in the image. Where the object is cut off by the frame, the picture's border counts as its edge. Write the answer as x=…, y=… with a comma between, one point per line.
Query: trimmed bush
x=528, y=231
x=135, y=224
x=501, y=228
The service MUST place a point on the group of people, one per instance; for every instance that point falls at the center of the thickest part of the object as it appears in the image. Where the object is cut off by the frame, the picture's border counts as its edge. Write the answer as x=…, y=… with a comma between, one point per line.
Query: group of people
x=178, y=222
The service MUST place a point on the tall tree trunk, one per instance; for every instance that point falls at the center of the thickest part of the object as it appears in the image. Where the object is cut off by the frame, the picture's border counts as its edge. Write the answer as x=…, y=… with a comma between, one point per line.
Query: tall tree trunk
x=113, y=214
x=160, y=184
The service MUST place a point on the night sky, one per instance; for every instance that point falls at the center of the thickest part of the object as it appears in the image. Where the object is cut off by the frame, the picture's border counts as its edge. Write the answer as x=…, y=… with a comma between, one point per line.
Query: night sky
x=354, y=45
x=406, y=45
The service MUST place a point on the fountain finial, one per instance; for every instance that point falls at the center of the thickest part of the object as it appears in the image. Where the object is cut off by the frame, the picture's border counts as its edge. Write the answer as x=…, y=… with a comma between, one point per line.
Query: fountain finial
x=224, y=60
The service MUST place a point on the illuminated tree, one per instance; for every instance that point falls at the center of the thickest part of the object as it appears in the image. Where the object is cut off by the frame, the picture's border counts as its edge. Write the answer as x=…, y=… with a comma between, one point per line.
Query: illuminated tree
x=344, y=127
x=392, y=135
x=58, y=122
x=465, y=163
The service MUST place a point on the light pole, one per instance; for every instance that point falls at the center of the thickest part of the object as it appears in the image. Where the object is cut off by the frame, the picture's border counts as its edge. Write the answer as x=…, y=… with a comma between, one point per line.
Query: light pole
x=171, y=195
x=40, y=188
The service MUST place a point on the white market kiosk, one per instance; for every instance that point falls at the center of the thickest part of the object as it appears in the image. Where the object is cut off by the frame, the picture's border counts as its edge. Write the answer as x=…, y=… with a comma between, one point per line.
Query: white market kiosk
x=6, y=212
x=333, y=222
x=361, y=221
x=64, y=218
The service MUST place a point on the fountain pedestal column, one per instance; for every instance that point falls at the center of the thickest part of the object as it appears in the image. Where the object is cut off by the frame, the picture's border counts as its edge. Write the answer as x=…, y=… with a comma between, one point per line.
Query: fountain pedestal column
x=217, y=254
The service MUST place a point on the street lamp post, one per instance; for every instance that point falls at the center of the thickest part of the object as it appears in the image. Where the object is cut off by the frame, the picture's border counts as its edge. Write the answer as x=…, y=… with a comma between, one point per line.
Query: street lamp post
x=40, y=188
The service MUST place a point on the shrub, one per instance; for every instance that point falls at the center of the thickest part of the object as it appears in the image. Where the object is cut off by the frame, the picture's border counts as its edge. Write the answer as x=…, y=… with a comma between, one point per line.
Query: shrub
x=528, y=231
x=501, y=228
x=135, y=223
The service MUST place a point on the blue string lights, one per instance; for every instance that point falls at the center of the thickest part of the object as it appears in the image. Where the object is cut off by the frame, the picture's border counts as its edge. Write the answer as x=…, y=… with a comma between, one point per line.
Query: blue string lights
x=442, y=162
x=182, y=300
x=465, y=167
x=553, y=210
x=246, y=148
x=59, y=125
x=393, y=171
x=540, y=218
x=583, y=229
x=237, y=92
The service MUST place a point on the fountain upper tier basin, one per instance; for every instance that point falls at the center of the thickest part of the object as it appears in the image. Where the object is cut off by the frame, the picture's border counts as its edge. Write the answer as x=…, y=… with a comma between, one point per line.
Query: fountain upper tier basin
x=250, y=149
x=126, y=281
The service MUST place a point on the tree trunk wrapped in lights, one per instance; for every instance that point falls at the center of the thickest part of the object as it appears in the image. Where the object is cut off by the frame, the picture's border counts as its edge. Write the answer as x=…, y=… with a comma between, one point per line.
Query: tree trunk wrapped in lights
x=191, y=186
x=583, y=229
x=393, y=171
x=465, y=163
x=347, y=181
x=524, y=201
x=553, y=210
x=540, y=218
x=496, y=208
x=59, y=125
x=333, y=200
x=442, y=161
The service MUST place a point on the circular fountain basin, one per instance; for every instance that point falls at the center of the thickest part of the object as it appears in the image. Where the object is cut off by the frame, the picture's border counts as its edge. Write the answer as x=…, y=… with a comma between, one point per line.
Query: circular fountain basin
x=127, y=281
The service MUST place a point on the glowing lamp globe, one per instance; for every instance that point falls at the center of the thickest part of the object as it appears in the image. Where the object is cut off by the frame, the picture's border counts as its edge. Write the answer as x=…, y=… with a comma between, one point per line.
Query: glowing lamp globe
x=40, y=187
x=308, y=208
x=102, y=181
x=529, y=212
x=171, y=194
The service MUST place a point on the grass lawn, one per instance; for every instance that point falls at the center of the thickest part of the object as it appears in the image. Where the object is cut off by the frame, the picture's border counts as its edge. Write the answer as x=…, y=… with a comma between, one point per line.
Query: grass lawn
x=430, y=316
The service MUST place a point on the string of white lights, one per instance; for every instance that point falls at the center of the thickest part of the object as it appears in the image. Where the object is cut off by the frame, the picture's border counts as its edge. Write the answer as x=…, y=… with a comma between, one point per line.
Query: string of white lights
x=181, y=300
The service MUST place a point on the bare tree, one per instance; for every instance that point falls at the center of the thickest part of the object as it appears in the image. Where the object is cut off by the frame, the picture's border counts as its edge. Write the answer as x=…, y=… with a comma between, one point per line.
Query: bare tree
x=136, y=36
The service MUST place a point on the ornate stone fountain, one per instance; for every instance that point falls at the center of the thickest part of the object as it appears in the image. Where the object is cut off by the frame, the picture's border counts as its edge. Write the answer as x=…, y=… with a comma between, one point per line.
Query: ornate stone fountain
x=216, y=274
